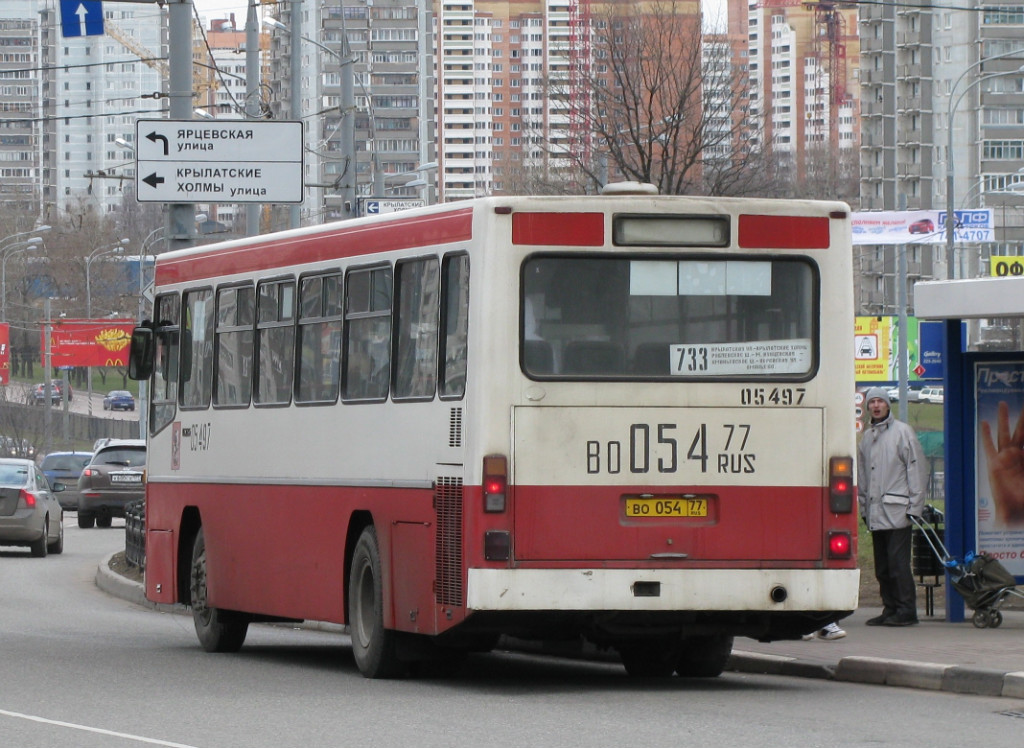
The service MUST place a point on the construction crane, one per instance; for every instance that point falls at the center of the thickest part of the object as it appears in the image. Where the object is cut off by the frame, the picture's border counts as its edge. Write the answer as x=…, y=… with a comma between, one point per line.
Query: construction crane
x=828, y=48
x=200, y=84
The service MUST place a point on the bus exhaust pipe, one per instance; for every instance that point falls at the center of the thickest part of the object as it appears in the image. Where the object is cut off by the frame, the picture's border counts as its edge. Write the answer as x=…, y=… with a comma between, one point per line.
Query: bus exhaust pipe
x=779, y=594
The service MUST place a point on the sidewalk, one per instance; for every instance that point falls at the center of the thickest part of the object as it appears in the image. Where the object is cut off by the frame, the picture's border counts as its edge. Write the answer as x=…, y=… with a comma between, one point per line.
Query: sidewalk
x=935, y=655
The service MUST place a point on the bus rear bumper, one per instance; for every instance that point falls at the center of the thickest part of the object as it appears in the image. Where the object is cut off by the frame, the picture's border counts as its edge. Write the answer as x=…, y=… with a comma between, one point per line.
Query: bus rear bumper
x=770, y=590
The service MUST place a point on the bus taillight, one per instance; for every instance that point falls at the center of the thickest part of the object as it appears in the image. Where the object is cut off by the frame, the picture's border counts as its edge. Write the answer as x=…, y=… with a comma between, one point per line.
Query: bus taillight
x=840, y=545
x=840, y=485
x=495, y=483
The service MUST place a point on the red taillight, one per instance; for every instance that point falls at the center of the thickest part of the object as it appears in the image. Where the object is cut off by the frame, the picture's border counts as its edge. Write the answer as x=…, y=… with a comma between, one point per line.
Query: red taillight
x=840, y=485
x=495, y=482
x=28, y=499
x=840, y=545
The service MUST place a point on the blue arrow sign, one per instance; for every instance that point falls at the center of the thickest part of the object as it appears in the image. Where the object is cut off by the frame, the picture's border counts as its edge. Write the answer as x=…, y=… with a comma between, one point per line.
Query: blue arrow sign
x=372, y=207
x=81, y=18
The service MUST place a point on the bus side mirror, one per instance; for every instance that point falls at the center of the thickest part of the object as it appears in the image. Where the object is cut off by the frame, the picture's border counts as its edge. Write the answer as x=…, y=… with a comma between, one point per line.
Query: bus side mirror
x=140, y=353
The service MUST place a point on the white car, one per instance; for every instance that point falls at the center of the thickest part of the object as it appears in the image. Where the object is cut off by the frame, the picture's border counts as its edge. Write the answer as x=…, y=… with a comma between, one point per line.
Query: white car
x=913, y=395
x=933, y=395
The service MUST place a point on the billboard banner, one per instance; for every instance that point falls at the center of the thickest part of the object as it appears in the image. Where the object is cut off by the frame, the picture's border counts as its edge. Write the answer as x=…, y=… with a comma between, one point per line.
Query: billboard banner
x=5, y=353
x=876, y=349
x=920, y=226
x=1000, y=532
x=85, y=342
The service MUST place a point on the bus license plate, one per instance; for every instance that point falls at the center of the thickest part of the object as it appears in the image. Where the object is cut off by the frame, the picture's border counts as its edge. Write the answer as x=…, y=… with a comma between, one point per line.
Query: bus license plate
x=667, y=506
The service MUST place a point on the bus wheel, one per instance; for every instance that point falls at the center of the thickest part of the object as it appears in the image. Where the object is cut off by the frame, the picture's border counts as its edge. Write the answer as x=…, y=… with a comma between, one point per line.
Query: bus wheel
x=653, y=659
x=218, y=630
x=374, y=647
x=704, y=656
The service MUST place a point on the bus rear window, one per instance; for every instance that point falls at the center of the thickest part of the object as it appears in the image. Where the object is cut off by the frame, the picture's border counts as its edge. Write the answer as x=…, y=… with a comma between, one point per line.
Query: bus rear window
x=672, y=319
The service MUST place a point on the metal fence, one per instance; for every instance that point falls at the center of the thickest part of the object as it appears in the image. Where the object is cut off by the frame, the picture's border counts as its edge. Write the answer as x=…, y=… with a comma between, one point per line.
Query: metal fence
x=135, y=534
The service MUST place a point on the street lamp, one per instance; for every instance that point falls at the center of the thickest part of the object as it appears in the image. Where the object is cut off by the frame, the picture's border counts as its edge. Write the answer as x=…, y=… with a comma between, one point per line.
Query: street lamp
x=8, y=251
x=89, y=259
x=950, y=111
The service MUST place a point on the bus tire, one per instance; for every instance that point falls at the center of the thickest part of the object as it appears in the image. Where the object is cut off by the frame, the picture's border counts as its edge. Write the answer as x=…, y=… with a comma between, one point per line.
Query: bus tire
x=218, y=630
x=704, y=656
x=374, y=647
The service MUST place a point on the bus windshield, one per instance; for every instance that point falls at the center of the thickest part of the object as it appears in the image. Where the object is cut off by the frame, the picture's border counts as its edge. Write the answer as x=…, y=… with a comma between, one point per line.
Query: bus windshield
x=673, y=319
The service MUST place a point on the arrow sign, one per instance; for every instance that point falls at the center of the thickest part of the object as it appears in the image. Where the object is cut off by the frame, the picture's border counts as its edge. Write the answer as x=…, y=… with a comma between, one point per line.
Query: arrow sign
x=153, y=180
x=372, y=207
x=81, y=18
x=153, y=137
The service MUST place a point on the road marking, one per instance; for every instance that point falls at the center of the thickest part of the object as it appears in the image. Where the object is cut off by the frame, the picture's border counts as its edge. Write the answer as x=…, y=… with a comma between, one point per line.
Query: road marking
x=97, y=730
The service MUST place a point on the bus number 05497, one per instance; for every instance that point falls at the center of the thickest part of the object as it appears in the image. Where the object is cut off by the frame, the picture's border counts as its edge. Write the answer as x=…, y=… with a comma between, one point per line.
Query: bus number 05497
x=772, y=395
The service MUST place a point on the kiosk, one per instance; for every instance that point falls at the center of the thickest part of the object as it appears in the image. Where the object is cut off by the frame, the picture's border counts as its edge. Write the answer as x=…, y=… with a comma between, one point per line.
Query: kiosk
x=975, y=383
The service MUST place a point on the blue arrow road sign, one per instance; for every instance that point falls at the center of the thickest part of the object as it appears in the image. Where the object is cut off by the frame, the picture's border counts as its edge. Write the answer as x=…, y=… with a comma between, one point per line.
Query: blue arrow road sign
x=81, y=18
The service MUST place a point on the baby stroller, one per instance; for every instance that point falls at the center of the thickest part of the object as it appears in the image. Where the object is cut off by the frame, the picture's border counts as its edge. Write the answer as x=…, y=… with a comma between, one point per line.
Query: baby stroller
x=981, y=580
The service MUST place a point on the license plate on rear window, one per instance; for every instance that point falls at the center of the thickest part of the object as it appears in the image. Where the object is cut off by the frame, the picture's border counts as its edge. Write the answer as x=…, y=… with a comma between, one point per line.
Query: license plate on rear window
x=126, y=477
x=667, y=506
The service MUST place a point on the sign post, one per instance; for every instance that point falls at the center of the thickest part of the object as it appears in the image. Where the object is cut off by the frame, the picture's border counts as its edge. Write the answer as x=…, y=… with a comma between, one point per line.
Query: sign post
x=234, y=161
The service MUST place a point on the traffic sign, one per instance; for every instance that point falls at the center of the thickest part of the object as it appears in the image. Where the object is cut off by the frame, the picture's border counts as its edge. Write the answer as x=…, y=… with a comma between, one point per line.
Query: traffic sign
x=231, y=161
x=373, y=206
x=81, y=18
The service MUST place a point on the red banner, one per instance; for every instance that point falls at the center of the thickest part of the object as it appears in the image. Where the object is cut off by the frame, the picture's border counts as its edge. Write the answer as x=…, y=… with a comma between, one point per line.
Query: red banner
x=5, y=353
x=89, y=342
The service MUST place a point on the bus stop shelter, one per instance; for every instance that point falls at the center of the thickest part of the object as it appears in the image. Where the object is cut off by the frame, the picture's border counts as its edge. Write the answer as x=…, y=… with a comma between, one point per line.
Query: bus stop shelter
x=975, y=383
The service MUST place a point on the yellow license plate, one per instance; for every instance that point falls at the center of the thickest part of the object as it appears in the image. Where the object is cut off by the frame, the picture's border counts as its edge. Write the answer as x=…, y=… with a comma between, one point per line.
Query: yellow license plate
x=667, y=506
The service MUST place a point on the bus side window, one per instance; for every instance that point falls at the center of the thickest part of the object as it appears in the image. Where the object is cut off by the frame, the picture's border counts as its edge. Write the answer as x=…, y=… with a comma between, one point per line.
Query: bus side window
x=454, y=326
x=367, y=334
x=275, y=342
x=197, y=335
x=165, y=371
x=416, y=319
x=234, y=346
x=319, y=342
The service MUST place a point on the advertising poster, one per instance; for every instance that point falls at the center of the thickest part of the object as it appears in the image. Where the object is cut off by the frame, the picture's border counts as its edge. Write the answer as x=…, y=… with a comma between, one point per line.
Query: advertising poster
x=876, y=345
x=920, y=226
x=83, y=342
x=1000, y=484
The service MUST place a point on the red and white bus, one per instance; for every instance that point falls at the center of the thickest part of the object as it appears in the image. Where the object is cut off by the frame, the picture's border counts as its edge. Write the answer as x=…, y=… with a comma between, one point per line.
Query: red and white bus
x=621, y=419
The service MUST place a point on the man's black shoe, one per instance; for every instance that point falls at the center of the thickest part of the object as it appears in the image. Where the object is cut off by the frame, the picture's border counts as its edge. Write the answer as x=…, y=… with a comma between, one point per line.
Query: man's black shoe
x=900, y=620
x=878, y=620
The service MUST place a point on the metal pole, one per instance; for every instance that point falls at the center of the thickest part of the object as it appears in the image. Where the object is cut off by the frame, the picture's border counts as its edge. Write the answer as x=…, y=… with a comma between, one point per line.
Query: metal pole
x=296, y=80
x=180, y=216
x=347, y=107
x=47, y=392
x=252, y=108
x=903, y=348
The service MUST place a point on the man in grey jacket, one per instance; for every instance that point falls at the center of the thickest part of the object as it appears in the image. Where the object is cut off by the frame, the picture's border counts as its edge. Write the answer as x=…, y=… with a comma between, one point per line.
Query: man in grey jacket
x=892, y=476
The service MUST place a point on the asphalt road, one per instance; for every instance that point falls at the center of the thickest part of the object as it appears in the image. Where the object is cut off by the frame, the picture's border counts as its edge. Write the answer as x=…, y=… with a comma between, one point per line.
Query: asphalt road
x=81, y=668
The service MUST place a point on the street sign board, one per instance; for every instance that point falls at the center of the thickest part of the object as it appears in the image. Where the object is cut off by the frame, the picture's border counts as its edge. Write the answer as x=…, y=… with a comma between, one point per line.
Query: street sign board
x=81, y=18
x=229, y=161
x=373, y=206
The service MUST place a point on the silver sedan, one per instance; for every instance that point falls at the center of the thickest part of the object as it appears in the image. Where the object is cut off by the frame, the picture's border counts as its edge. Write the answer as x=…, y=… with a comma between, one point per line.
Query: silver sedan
x=29, y=511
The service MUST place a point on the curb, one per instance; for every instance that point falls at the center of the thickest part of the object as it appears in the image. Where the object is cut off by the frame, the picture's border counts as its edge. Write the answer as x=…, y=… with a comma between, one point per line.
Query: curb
x=879, y=671
x=854, y=669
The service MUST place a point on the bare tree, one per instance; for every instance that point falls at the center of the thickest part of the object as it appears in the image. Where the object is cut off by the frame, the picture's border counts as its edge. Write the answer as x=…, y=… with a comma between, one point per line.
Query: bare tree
x=662, y=105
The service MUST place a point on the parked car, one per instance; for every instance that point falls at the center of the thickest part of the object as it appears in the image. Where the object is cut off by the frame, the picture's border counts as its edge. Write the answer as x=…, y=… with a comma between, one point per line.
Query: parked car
x=933, y=395
x=37, y=395
x=119, y=400
x=924, y=226
x=66, y=468
x=115, y=475
x=29, y=511
x=913, y=394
